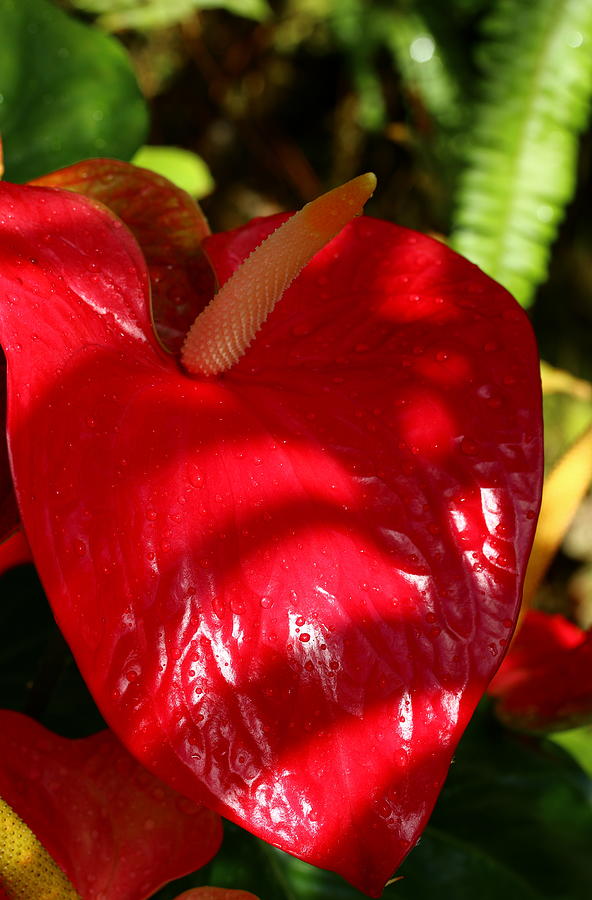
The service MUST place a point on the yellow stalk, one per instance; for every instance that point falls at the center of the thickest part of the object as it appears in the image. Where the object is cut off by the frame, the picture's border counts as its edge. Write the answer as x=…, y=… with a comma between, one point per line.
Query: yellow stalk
x=27, y=871
x=564, y=489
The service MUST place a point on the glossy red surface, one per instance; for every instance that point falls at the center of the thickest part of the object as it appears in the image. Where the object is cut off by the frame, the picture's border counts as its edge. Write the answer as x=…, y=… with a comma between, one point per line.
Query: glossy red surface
x=114, y=829
x=286, y=587
x=545, y=681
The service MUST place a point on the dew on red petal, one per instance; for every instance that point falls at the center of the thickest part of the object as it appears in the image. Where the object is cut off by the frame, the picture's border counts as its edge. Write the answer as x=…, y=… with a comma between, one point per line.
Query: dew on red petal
x=468, y=446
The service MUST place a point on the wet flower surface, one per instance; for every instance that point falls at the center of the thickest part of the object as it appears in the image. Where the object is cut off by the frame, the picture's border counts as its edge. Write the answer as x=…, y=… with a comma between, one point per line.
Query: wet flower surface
x=288, y=585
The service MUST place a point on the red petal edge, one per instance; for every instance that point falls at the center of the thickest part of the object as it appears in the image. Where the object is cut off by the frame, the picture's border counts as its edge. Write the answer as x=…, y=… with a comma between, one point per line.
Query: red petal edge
x=9, y=515
x=113, y=828
x=287, y=588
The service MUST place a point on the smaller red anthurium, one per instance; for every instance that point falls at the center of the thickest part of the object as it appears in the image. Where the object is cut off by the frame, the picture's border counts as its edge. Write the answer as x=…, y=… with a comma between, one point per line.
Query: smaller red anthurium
x=288, y=555
x=545, y=681
x=99, y=825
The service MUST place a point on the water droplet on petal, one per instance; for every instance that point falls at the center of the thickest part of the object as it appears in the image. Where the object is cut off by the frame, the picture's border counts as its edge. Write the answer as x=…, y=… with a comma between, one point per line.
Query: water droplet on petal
x=468, y=446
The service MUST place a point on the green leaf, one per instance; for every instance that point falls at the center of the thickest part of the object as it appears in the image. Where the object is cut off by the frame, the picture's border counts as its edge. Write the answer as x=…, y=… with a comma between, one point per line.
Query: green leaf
x=67, y=91
x=578, y=743
x=116, y=15
x=185, y=169
x=521, y=151
x=523, y=803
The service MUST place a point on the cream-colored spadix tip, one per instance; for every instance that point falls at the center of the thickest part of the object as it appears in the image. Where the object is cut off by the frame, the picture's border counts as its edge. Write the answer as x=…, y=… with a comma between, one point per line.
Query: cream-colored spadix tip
x=331, y=211
x=223, y=332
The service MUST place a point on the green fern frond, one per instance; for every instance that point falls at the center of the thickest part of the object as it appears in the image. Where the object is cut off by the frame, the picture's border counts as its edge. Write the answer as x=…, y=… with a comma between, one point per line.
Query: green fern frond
x=521, y=151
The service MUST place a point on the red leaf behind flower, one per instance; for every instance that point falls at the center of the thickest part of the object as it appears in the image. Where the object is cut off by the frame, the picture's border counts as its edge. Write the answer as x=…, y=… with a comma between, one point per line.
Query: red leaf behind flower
x=169, y=227
x=545, y=682
x=288, y=587
x=113, y=828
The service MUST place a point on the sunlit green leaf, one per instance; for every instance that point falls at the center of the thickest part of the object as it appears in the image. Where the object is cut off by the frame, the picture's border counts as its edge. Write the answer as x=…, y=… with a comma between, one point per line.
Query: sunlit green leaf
x=115, y=15
x=185, y=169
x=577, y=742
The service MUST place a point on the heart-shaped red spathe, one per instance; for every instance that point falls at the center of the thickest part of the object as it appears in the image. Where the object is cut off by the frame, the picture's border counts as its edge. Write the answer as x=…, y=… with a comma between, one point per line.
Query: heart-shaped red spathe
x=286, y=587
x=545, y=681
x=113, y=828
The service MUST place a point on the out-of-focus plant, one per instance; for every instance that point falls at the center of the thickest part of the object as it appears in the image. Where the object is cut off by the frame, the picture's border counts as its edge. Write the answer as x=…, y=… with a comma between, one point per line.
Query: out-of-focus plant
x=521, y=145
x=185, y=169
x=115, y=15
x=68, y=93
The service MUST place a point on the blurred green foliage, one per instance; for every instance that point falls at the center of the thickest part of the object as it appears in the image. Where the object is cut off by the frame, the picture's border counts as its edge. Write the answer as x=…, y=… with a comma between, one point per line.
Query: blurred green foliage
x=67, y=91
x=521, y=148
x=116, y=15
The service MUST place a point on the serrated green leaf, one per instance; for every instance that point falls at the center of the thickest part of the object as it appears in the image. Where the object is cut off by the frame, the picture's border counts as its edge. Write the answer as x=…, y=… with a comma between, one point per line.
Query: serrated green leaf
x=67, y=91
x=185, y=169
x=522, y=147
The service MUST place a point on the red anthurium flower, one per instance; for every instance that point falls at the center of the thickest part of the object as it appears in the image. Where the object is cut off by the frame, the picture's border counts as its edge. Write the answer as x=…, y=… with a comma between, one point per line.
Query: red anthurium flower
x=288, y=566
x=545, y=681
x=115, y=830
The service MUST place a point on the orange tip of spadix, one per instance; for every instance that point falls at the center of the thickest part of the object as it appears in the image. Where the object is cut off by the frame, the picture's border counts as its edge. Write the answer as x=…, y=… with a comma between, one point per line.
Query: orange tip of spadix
x=331, y=211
